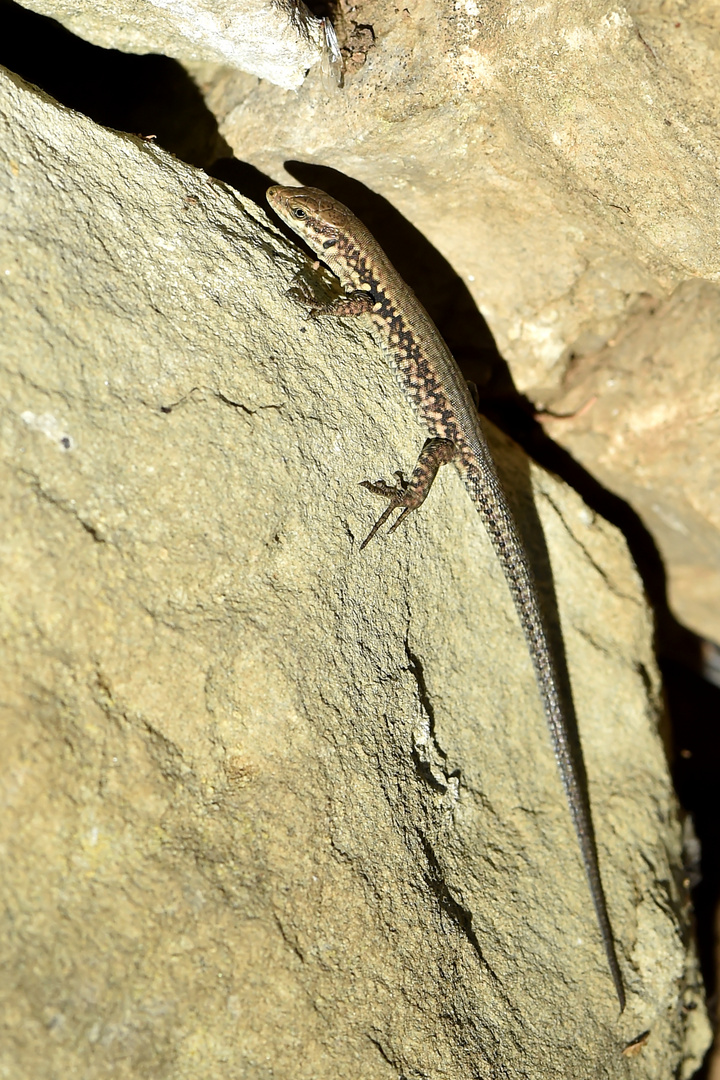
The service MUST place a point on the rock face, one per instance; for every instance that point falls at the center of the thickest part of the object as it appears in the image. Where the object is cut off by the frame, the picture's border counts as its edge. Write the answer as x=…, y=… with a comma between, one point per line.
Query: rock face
x=272, y=807
x=644, y=415
x=564, y=159
x=275, y=41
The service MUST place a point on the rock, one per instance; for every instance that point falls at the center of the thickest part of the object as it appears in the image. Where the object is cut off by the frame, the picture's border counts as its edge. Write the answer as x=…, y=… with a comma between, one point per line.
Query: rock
x=273, y=807
x=642, y=414
x=564, y=160
x=275, y=41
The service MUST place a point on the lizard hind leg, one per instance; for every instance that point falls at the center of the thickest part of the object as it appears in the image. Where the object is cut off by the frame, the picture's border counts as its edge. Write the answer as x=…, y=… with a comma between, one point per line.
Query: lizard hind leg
x=408, y=495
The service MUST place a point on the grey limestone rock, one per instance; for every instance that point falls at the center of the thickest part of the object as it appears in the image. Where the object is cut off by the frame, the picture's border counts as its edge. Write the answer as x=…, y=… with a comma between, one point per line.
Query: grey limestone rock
x=272, y=808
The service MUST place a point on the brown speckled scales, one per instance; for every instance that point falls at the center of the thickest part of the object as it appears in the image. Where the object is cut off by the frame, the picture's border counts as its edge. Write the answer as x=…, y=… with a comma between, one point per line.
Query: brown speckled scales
x=432, y=381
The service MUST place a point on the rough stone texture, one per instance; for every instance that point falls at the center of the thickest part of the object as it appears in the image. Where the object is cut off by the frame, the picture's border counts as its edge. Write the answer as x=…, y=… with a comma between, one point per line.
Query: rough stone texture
x=562, y=157
x=275, y=41
x=532, y=145
x=272, y=808
x=647, y=422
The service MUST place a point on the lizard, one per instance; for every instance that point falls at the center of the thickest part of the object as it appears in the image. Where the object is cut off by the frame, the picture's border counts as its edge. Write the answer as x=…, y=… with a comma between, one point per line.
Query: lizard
x=434, y=385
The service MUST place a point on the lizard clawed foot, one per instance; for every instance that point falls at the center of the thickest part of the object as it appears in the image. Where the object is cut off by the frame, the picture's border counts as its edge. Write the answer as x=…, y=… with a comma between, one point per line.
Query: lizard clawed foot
x=400, y=496
x=302, y=296
x=347, y=304
x=387, y=491
x=407, y=495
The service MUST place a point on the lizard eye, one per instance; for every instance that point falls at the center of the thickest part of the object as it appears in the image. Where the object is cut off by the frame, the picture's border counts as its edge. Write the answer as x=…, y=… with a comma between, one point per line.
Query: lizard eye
x=298, y=212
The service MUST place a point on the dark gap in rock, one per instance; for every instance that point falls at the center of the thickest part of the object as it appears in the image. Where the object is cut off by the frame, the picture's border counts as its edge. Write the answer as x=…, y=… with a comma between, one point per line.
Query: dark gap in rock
x=695, y=708
x=149, y=95
x=249, y=181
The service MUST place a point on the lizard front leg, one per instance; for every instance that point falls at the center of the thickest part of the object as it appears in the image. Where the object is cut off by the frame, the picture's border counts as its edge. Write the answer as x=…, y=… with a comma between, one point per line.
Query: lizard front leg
x=354, y=303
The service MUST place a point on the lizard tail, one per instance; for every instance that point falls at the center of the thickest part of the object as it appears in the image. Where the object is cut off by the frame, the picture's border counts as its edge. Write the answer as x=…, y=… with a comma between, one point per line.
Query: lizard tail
x=478, y=471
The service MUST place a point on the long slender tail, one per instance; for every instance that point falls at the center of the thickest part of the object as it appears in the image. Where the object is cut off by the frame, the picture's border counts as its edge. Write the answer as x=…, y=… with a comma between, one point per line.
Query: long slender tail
x=481, y=479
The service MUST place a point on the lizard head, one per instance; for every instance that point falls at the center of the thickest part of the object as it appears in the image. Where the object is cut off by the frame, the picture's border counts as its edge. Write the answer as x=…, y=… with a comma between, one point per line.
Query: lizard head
x=313, y=215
